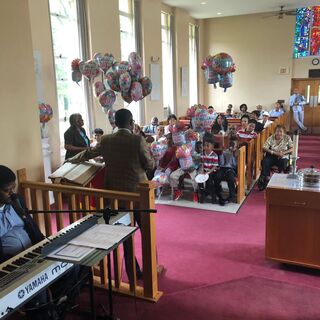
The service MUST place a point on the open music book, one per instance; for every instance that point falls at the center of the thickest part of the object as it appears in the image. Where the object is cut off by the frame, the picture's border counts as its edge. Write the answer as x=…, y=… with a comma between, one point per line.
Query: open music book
x=79, y=173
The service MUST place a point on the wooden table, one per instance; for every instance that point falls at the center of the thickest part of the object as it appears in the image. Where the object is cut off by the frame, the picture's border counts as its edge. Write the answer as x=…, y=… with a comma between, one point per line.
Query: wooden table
x=292, y=222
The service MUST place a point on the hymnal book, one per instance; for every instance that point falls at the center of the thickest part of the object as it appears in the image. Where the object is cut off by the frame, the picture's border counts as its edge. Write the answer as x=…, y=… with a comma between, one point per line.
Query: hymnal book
x=78, y=173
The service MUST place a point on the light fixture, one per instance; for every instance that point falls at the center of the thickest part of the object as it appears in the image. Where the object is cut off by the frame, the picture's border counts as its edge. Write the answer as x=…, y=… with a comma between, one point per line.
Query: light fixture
x=219, y=13
x=203, y=2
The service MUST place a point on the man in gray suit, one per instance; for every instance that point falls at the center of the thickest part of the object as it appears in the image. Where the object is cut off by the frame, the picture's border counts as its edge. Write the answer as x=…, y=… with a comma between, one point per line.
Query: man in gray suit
x=126, y=157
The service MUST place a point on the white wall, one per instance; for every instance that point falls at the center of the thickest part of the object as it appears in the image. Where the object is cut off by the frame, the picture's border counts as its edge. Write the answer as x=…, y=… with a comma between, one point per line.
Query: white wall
x=259, y=48
x=300, y=67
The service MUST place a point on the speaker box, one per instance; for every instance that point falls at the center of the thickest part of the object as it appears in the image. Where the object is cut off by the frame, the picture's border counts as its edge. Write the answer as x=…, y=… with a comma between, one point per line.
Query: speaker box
x=314, y=73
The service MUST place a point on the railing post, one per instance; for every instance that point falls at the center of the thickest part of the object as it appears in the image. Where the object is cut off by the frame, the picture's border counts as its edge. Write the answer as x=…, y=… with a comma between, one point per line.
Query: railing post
x=148, y=236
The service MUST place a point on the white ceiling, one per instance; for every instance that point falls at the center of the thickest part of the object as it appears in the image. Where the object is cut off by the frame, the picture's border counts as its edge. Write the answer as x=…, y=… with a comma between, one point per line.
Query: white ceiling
x=235, y=7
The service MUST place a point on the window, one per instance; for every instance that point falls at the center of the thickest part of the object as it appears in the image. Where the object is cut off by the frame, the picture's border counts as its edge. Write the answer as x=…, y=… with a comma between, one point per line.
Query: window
x=128, y=44
x=167, y=63
x=66, y=47
x=307, y=32
x=193, y=64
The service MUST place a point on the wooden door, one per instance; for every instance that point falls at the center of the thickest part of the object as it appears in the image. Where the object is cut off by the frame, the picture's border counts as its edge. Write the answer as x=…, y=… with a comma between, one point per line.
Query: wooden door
x=310, y=88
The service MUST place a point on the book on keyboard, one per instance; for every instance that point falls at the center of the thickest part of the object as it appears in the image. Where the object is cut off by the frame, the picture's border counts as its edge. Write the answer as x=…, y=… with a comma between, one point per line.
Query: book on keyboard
x=80, y=173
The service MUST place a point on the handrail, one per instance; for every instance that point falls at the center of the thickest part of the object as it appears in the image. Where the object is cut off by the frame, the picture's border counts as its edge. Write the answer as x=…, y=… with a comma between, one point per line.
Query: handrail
x=37, y=196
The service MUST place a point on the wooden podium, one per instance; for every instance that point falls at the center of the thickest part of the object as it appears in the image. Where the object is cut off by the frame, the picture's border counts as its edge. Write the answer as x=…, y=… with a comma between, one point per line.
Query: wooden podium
x=292, y=222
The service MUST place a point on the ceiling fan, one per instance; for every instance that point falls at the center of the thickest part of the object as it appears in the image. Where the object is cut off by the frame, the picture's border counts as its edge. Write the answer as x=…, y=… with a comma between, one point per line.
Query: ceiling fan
x=282, y=13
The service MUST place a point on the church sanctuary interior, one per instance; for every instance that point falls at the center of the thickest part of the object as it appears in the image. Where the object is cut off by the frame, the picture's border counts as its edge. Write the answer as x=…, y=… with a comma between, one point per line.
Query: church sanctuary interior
x=163, y=159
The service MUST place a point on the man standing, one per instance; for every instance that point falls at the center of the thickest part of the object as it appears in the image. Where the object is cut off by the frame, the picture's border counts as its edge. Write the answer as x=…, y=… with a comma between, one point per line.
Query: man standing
x=126, y=157
x=297, y=102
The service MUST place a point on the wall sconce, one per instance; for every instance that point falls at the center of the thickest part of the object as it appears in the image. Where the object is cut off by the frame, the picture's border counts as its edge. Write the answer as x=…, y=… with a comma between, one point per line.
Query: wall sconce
x=155, y=58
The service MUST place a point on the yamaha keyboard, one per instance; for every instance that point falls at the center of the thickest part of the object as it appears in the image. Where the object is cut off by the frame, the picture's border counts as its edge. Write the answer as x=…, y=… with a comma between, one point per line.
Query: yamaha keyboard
x=28, y=273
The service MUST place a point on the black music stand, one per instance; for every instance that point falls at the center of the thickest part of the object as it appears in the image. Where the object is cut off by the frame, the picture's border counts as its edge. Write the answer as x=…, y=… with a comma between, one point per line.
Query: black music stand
x=107, y=213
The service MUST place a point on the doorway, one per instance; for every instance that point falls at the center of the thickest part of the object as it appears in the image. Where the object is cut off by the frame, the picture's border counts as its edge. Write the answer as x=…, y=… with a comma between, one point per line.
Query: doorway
x=310, y=89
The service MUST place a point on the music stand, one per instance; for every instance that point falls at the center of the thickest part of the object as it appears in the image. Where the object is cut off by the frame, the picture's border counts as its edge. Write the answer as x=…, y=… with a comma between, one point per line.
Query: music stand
x=107, y=213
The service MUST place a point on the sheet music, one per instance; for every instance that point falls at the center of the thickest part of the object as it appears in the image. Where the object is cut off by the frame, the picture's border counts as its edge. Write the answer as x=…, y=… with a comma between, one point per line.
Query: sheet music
x=63, y=170
x=71, y=252
x=102, y=236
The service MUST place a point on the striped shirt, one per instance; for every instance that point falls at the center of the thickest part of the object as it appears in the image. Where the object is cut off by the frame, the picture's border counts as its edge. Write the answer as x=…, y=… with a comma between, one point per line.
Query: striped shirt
x=246, y=134
x=209, y=161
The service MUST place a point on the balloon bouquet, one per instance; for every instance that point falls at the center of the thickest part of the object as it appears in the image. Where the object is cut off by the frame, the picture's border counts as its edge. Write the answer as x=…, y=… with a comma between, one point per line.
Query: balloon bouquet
x=45, y=115
x=219, y=68
x=124, y=77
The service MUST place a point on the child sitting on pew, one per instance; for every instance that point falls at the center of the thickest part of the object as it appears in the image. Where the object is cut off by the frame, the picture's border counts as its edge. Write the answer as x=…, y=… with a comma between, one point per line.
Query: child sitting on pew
x=210, y=166
x=228, y=169
x=248, y=132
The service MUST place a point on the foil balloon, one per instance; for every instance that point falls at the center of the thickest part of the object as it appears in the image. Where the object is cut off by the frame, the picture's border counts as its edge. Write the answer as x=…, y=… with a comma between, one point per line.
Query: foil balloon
x=99, y=87
x=105, y=61
x=146, y=86
x=178, y=138
x=107, y=99
x=158, y=149
x=126, y=96
x=186, y=163
x=224, y=66
x=135, y=62
x=136, y=91
x=89, y=69
x=125, y=82
x=202, y=120
x=161, y=179
x=113, y=81
x=184, y=151
x=45, y=112
x=76, y=74
x=111, y=116
x=122, y=67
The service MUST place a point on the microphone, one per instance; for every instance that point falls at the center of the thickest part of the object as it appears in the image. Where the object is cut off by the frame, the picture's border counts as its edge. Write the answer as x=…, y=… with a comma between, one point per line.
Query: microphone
x=17, y=206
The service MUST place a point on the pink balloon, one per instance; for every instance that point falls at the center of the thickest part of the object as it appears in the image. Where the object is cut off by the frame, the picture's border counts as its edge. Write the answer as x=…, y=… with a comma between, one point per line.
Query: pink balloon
x=146, y=85
x=126, y=96
x=135, y=62
x=89, y=69
x=107, y=98
x=136, y=91
x=113, y=81
x=104, y=61
x=125, y=81
x=99, y=87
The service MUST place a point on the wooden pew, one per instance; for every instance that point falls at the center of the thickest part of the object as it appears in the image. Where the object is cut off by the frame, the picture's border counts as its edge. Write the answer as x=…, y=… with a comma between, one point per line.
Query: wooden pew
x=241, y=186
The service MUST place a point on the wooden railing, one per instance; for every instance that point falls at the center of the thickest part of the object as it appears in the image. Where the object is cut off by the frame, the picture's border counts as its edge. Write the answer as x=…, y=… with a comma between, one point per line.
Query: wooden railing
x=37, y=196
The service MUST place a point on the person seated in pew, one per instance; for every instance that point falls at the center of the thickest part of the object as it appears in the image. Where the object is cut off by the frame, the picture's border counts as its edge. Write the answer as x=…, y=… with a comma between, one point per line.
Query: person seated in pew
x=18, y=232
x=277, y=149
x=172, y=120
x=232, y=133
x=169, y=162
x=152, y=127
x=255, y=116
x=265, y=119
x=160, y=133
x=228, y=114
x=220, y=125
x=259, y=108
x=210, y=166
x=228, y=169
x=276, y=111
x=243, y=110
x=249, y=131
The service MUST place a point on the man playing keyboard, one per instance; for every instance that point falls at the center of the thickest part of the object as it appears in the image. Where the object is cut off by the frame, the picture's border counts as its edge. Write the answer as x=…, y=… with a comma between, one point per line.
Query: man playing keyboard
x=18, y=232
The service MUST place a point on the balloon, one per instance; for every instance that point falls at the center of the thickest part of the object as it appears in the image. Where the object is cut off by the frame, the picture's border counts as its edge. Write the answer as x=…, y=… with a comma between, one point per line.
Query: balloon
x=104, y=61
x=161, y=179
x=146, y=85
x=113, y=81
x=136, y=91
x=202, y=120
x=107, y=98
x=158, y=149
x=186, y=163
x=122, y=67
x=45, y=112
x=226, y=81
x=126, y=96
x=211, y=76
x=99, y=87
x=89, y=69
x=76, y=76
x=191, y=135
x=125, y=81
x=135, y=62
x=178, y=138
x=111, y=116
x=184, y=151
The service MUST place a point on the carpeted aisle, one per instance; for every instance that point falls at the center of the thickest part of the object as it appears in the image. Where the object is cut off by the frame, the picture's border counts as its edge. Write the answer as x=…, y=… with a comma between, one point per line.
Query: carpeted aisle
x=216, y=267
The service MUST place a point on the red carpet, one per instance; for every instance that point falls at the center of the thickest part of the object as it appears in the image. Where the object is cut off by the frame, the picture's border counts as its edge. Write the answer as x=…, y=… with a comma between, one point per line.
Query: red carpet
x=216, y=262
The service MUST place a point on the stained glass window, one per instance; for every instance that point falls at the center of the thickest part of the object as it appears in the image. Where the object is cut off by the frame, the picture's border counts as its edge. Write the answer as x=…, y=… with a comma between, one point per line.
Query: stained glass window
x=307, y=32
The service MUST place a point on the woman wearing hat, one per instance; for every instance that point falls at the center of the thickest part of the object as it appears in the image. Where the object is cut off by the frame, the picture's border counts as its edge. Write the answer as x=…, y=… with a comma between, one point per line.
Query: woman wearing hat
x=265, y=119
